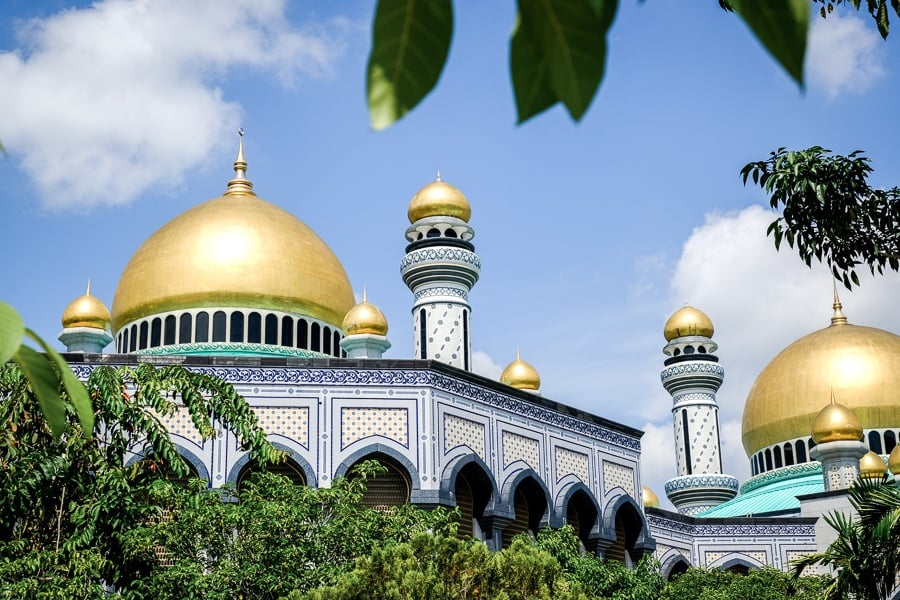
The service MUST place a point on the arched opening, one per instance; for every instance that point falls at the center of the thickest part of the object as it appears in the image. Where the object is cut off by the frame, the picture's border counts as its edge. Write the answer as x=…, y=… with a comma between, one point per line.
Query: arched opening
x=450, y=233
x=336, y=343
x=385, y=490
x=777, y=453
x=144, y=334
x=314, y=343
x=237, y=327
x=123, y=342
x=302, y=334
x=201, y=327
x=788, y=454
x=220, y=320
x=768, y=460
x=169, y=330
x=473, y=492
x=581, y=514
x=875, y=442
x=678, y=568
x=801, y=451
x=529, y=504
x=326, y=340
x=754, y=469
x=254, y=328
x=738, y=569
x=287, y=332
x=688, y=349
x=287, y=468
x=890, y=440
x=155, y=332
x=184, y=328
x=628, y=526
x=433, y=233
x=701, y=349
x=134, y=337
x=181, y=480
x=271, y=330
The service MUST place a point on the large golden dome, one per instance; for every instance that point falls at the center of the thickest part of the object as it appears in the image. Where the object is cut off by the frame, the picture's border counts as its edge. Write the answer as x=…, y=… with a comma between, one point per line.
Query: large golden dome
x=439, y=198
x=860, y=365
x=688, y=320
x=236, y=250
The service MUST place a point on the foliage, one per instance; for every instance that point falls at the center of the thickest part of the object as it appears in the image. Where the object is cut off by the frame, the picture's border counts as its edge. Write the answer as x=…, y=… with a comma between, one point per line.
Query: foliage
x=878, y=9
x=830, y=211
x=67, y=505
x=866, y=552
x=762, y=584
x=45, y=372
x=277, y=538
x=445, y=567
x=557, y=51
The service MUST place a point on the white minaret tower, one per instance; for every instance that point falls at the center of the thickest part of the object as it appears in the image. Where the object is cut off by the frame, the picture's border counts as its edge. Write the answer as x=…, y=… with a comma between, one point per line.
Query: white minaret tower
x=440, y=268
x=692, y=376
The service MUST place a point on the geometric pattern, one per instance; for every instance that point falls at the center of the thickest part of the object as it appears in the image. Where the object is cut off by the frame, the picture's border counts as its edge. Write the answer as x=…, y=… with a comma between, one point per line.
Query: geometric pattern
x=292, y=422
x=704, y=443
x=463, y=432
x=616, y=475
x=571, y=462
x=181, y=424
x=359, y=423
x=518, y=447
x=711, y=557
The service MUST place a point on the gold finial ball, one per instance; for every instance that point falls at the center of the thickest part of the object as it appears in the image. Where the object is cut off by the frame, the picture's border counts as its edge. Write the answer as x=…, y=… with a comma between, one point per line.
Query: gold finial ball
x=871, y=466
x=363, y=318
x=87, y=311
x=894, y=460
x=688, y=320
x=650, y=499
x=521, y=375
x=439, y=198
x=836, y=423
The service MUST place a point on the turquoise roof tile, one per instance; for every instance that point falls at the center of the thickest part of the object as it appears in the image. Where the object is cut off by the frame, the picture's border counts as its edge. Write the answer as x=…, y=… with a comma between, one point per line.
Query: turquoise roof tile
x=772, y=493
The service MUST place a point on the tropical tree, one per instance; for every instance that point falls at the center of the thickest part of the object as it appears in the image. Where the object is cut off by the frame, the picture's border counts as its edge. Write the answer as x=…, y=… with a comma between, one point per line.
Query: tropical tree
x=866, y=552
x=829, y=209
x=757, y=584
x=67, y=503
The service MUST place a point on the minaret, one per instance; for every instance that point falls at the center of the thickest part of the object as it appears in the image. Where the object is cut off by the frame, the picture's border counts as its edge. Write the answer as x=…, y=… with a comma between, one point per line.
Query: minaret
x=692, y=376
x=86, y=324
x=440, y=268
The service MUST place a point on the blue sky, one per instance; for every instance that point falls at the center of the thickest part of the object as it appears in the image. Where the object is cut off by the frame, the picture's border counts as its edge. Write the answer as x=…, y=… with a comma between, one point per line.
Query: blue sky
x=118, y=115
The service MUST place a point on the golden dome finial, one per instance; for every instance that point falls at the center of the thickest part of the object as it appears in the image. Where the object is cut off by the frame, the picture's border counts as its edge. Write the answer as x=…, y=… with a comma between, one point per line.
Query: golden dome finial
x=438, y=178
x=650, y=499
x=872, y=466
x=894, y=460
x=439, y=198
x=240, y=184
x=364, y=317
x=838, y=317
x=87, y=311
x=836, y=423
x=686, y=321
x=521, y=375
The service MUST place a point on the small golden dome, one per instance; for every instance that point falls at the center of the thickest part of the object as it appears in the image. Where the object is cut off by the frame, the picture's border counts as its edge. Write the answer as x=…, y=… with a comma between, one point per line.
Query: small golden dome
x=87, y=311
x=439, y=199
x=860, y=365
x=872, y=466
x=650, y=499
x=894, y=460
x=236, y=250
x=521, y=375
x=688, y=320
x=836, y=423
x=365, y=317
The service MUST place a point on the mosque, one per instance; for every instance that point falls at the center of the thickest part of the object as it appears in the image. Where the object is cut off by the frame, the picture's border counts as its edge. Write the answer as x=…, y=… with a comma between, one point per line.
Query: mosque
x=258, y=299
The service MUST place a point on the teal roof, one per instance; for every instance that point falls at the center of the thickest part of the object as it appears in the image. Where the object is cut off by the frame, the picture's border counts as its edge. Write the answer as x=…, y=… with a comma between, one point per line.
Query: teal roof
x=774, y=492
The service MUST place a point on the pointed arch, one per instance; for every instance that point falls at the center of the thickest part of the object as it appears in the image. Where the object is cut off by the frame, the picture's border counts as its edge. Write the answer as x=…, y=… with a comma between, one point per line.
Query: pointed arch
x=526, y=495
x=625, y=530
x=467, y=461
x=672, y=564
x=577, y=506
x=298, y=462
x=736, y=562
x=388, y=489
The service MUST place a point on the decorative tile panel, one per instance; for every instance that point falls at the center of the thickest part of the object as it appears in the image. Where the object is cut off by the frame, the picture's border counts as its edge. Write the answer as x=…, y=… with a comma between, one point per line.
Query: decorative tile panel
x=359, y=423
x=291, y=422
x=462, y=432
x=616, y=475
x=711, y=557
x=518, y=447
x=180, y=423
x=571, y=462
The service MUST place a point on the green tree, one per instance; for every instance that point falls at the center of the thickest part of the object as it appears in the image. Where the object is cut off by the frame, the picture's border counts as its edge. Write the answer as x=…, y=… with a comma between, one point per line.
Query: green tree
x=67, y=504
x=866, y=552
x=277, y=538
x=829, y=210
x=758, y=584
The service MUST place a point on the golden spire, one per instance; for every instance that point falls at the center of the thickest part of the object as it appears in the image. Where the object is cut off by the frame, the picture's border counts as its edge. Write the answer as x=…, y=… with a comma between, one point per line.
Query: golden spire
x=88, y=292
x=240, y=184
x=838, y=318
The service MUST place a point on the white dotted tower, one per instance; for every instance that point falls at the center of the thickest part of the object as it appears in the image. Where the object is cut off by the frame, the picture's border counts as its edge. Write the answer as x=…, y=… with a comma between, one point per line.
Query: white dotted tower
x=440, y=268
x=692, y=376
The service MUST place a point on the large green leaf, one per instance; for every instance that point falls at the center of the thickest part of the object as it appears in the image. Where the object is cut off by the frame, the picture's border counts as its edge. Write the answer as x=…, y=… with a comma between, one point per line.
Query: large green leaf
x=76, y=391
x=45, y=383
x=410, y=43
x=12, y=330
x=569, y=37
x=781, y=26
x=531, y=83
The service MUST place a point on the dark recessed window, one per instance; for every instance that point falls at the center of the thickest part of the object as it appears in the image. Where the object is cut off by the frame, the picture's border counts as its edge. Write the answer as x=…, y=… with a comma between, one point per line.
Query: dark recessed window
x=777, y=453
x=272, y=330
x=768, y=460
x=801, y=451
x=155, y=332
x=201, y=331
x=254, y=328
x=336, y=343
x=433, y=233
x=134, y=338
x=450, y=233
x=326, y=340
x=220, y=319
x=890, y=440
x=875, y=442
x=184, y=330
x=144, y=335
x=314, y=343
x=123, y=342
x=788, y=454
x=287, y=332
x=169, y=333
x=237, y=327
x=302, y=334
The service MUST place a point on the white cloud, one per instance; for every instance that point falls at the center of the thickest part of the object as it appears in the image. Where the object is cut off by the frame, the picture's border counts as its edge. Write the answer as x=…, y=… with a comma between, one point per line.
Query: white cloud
x=101, y=103
x=760, y=301
x=657, y=457
x=484, y=365
x=844, y=54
